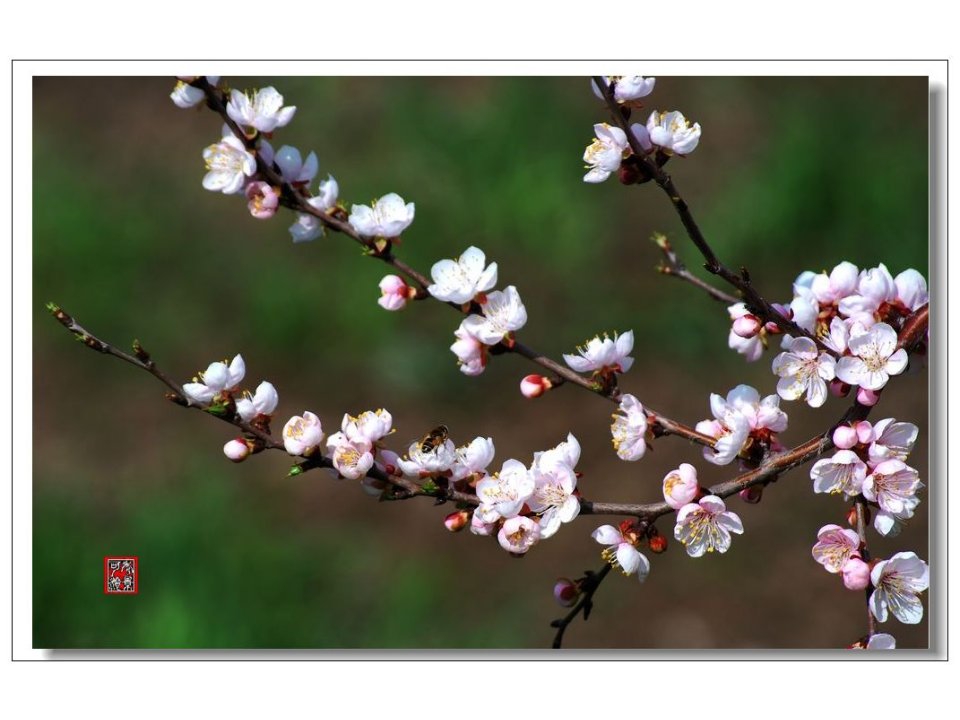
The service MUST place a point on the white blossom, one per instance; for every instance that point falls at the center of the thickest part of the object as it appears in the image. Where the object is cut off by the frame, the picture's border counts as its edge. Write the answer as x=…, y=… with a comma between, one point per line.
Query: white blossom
x=518, y=535
x=434, y=460
x=460, y=280
x=369, y=427
x=875, y=358
x=627, y=88
x=229, y=164
x=911, y=290
x=185, y=96
x=387, y=217
x=471, y=353
x=503, y=313
x=897, y=583
x=302, y=434
x=503, y=494
x=553, y=494
x=473, y=459
x=893, y=440
x=263, y=402
x=604, y=355
x=352, y=458
x=804, y=369
x=706, y=525
x=622, y=551
x=893, y=486
x=216, y=378
x=844, y=472
x=672, y=132
x=629, y=429
x=262, y=111
x=604, y=154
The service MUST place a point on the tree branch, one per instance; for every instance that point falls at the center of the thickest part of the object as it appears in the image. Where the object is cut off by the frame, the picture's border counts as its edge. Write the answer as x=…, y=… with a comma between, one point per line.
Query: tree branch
x=589, y=585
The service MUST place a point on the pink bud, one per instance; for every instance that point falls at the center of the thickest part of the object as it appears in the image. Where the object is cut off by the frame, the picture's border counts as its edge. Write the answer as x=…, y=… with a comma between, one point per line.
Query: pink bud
x=845, y=437
x=394, y=292
x=838, y=388
x=865, y=432
x=566, y=592
x=746, y=326
x=262, y=200
x=752, y=494
x=680, y=486
x=867, y=398
x=455, y=522
x=856, y=574
x=533, y=386
x=237, y=450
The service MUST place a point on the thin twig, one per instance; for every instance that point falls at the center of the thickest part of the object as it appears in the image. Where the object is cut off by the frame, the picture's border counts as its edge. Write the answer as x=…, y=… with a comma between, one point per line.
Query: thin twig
x=588, y=588
x=741, y=281
x=674, y=267
x=861, y=505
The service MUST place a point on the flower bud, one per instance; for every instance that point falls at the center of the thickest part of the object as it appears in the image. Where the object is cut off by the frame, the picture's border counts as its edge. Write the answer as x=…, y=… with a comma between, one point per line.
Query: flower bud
x=394, y=292
x=867, y=398
x=838, y=388
x=746, y=326
x=237, y=450
x=680, y=486
x=457, y=521
x=658, y=544
x=533, y=386
x=752, y=494
x=856, y=574
x=845, y=437
x=566, y=592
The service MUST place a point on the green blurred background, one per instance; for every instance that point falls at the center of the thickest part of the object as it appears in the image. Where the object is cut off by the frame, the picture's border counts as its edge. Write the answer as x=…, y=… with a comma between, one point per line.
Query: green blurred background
x=791, y=174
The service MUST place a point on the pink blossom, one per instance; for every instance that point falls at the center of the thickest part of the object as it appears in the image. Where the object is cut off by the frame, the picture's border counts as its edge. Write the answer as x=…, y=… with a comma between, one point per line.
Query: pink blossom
x=518, y=535
x=856, y=574
x=706, y=525
x=622, y=550
x=680, y=486
x=262, y=200
x=835, y=546
x=844, y=472
x=394, y=293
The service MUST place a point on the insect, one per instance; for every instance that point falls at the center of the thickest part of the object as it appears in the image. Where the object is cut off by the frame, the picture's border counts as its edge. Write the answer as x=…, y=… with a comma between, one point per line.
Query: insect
x=434, y=439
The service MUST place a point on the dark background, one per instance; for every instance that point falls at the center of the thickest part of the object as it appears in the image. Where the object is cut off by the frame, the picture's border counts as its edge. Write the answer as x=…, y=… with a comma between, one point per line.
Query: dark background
x=791, y=174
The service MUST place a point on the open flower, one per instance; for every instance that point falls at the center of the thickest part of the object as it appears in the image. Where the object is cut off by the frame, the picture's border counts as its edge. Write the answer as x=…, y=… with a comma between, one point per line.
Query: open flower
x=185, y=96
x=369, y=427
x=504, y=494
x=672, y=132
x=566, y=453
x=604, y=154
x=387, y=217
x=874, y=288
x=553, y=495
x=629, y=429
x=889, y=524
x=302, y=434
x=433, y=461
x=706, y=525
x=262, y=111
x=604, y=355
x=680, y=486
x=518, y=535
x=351, y=458
x=897, y=583
x=626, y=88
x=215, y=379
x=262, y=200
x=306, y=228
x=229, y=164
x=893, y=486
x=503, y=312
x=844, y=472
x=622, y=549
x=804, y=369
x=875, y=358
x=293, y=168
x=263, y=402
x=738, y=416
x=835, y=546
x=473, y=459
x=911, y=290
x=841, y=282
x=893, y=440
x=327, y=193
x=460, y=280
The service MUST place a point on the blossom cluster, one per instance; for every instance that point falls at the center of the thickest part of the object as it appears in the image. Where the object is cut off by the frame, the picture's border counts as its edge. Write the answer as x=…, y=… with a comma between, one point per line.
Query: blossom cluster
x=244, y=161
x=666, y=133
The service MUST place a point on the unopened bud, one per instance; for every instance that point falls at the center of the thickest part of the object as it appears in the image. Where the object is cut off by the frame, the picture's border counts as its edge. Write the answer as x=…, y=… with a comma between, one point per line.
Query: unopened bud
x=746, y=326
x=237, y=450
x=533, y=386
x=566, y=592
x=838, y=388
x=845, y=437
x=867, y=398
x=752, y=494
x=457, y=521
x=658, y=544
x=852, y=516
x=856, y=574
